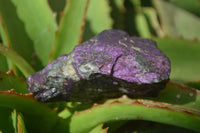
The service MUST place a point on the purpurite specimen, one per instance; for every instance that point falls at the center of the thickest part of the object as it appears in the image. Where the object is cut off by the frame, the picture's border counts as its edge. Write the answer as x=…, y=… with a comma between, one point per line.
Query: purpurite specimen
x=106, y=66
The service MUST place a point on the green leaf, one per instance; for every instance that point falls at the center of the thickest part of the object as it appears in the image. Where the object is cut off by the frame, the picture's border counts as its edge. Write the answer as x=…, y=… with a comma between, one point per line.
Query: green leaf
x=13, y=33
x=57, y=7
x=37, y=116
x=184, y=56
x=21, y=124
x=178, y=22
x=10, y=81
x=138, y=109
x=152, y=19
x=70, y=28
x=25, y=68
x=117, y=12
x=99, y=129
x=18, y=122
x=142, y=25
x=4, y=65
x=14, y=120
x=98, y=18
x=40, y=25
x=189, y=5
x=6, y=121
x=195, y=84
x=178, y=94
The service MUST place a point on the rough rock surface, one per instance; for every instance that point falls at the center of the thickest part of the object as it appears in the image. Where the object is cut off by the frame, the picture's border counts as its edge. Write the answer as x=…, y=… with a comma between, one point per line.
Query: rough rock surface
x=108, y=65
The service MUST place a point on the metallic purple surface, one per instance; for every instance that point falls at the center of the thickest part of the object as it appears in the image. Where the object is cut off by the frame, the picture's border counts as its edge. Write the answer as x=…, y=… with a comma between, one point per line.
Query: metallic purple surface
x=112, y=55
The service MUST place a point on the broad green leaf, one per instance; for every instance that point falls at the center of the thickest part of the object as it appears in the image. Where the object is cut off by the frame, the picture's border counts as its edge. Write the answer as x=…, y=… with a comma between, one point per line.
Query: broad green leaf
x=14, y=35
x=178, y=94
x=5, y=120
x=40, y=25
x=10, y=81
x=25, y=68
x=98, y=18
x=37, y=116
x=70, y=28
x=138, y=109
x=178, y=22
x=99, y=129
x=189, y=5
x=184, y=56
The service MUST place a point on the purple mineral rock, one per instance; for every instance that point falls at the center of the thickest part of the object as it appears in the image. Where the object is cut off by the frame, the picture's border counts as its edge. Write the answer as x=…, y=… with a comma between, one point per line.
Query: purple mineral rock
x=106, y=66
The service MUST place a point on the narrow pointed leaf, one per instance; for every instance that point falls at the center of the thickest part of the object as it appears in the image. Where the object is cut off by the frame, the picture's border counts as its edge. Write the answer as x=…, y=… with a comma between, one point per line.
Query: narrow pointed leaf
x=17, y=60
x=70, y=29
x=98, y=18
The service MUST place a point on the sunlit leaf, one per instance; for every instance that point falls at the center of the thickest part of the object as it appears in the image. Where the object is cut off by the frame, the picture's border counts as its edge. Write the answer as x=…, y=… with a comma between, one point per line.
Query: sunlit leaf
x=18, y=122
x=14, y=35
x=138, y=109
x=25, y=68
x=178, y=22
x=40, y=25
x=70, y=28
x=98, y=18
x=99, y=129
x=189, y=5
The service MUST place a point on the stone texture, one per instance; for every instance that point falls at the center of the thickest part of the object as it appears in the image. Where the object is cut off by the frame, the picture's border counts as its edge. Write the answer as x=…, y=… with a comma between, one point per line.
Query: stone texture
x=106, y=66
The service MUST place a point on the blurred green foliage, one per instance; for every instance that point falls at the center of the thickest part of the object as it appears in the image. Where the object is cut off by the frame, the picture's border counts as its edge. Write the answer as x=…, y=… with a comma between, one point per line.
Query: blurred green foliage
x=33, y=33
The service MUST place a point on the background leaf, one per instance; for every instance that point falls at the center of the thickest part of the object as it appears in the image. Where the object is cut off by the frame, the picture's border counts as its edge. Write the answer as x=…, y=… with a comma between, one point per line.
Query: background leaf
x=6, y=121
x=25, y=68
x=193, y=5
x=98, y=18
x=178, y=22
x=70, y=28
x=14, y=35
x=40, y=25
x=10, y=81
x=184, y=56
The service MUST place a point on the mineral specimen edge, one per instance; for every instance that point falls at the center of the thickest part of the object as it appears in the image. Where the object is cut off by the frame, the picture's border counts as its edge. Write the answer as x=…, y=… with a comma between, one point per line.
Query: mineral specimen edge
x=106, y=66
